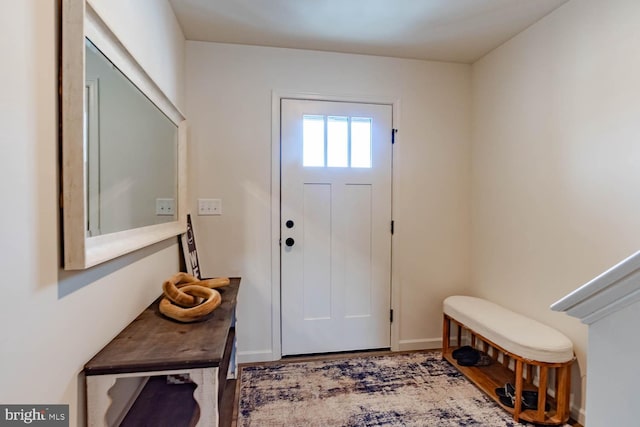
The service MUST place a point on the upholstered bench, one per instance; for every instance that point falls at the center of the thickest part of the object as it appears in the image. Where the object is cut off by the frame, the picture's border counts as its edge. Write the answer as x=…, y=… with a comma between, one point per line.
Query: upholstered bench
x=524, y=352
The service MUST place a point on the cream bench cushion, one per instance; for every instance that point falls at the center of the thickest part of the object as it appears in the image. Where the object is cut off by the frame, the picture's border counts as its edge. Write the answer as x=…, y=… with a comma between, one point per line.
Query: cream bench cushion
x=515, y=333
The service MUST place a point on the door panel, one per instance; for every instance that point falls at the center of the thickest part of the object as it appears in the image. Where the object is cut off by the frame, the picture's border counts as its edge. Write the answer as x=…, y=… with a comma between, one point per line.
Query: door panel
x=317, y=251
x=358, y=260
x=336, y=258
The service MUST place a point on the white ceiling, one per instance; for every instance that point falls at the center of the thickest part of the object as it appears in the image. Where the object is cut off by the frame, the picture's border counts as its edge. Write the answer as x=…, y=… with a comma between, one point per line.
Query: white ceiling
x=443, y=30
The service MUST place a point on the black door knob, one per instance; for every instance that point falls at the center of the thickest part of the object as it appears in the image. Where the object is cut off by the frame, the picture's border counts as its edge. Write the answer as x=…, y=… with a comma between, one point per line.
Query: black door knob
x=289, y=224
x=289, y=242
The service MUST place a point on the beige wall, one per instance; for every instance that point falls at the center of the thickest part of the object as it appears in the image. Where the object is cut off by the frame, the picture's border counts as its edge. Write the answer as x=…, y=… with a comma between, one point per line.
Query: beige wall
x=52, y=322
x=555, y=158
x=229, y=90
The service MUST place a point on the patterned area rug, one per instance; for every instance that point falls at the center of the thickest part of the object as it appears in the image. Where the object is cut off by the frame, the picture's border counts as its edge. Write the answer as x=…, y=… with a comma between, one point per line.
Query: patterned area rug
x=415, y=389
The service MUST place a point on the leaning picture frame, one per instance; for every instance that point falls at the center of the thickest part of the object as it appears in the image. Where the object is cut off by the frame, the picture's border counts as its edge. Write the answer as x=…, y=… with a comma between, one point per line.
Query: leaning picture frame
x=189, y=250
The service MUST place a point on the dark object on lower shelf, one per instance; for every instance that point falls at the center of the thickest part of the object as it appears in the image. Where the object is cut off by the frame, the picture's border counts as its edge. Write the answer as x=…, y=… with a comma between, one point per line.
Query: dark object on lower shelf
x=463, y=351
x=469, y=358
x=509, y=390
x=484, y=359
x=172, y=405
x=527, y=403
x=161, y=404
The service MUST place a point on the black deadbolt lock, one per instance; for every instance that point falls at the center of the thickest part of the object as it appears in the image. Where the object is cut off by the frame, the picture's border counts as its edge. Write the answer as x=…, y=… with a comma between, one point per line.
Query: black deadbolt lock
x=289, y=224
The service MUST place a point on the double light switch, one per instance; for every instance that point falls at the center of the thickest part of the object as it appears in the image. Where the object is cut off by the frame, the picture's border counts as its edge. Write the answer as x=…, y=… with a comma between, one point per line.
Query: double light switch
x=209, y=207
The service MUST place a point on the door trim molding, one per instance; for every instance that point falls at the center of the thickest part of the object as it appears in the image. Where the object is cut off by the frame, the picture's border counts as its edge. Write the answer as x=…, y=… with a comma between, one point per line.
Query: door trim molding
x=276, y=97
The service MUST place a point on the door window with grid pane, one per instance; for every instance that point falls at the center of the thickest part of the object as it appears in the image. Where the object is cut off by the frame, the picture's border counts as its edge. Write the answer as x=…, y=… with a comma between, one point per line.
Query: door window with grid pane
x=336, y=141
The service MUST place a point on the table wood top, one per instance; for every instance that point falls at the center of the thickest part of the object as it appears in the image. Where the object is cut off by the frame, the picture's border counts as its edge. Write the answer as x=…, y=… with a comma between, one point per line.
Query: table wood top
x=153, y=342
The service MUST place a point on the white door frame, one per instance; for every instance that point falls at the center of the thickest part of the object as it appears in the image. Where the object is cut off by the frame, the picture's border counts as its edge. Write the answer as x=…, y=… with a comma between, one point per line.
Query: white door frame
x=276, y=96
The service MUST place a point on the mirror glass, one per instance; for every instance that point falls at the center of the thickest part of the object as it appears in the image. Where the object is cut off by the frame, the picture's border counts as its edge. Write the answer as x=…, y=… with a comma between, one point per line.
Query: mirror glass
x=130, y=152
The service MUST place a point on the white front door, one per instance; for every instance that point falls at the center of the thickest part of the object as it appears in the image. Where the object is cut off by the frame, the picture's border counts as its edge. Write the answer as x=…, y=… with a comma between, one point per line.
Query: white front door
x=335, y=226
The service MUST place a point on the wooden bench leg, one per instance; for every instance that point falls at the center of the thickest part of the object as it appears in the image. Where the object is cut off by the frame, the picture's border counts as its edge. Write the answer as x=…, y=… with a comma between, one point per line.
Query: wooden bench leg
x=542, y=392
x=446, y=330
x=563, y=387
x=519, y=383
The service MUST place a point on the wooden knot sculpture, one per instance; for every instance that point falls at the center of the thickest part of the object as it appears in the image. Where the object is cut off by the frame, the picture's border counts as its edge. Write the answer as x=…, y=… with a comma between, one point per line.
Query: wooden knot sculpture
x=187, y=299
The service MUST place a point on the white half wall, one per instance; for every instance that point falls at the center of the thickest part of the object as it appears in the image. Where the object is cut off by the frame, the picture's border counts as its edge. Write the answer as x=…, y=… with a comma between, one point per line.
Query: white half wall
x=613, y=354
x=229, y=96
x=610, y=305
x=555, y=158
x=52, y=322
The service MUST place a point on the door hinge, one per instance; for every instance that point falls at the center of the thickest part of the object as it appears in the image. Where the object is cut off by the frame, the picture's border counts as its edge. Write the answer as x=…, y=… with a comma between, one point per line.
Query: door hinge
x=391, y=315
x=393, y=226
x=393, y=135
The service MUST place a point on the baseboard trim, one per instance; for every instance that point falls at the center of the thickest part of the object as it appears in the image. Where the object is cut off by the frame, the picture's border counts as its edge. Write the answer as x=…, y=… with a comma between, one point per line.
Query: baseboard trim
x=420, y=344
x=257, y=356
x=579, y=415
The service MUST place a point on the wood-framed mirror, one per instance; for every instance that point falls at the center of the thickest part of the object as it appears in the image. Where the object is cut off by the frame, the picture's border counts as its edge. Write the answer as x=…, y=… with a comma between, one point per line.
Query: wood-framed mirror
x=123, y=147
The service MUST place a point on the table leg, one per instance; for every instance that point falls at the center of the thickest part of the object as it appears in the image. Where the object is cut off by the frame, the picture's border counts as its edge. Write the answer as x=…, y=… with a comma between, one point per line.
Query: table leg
x=98, y=399
x=206, y=395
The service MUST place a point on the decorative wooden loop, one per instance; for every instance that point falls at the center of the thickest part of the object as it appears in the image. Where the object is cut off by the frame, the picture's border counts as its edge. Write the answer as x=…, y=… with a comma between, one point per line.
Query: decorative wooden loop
x=172, y=288
x=193, y=298
x=192, y=314
x=183, y=279
x=217, y=282
x=178, y=296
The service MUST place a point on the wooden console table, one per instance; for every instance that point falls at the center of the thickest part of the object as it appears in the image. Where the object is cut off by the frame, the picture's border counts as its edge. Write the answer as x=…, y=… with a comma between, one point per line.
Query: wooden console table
x=154, y=345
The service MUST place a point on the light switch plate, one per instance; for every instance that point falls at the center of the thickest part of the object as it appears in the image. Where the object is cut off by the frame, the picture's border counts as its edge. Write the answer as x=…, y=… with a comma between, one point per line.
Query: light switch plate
x=165, y=207
x=209, y=207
